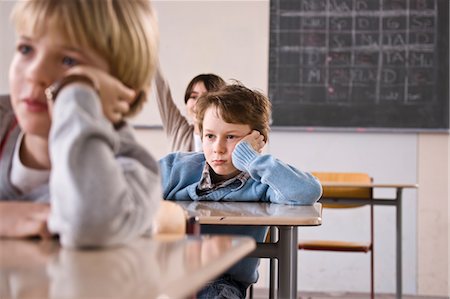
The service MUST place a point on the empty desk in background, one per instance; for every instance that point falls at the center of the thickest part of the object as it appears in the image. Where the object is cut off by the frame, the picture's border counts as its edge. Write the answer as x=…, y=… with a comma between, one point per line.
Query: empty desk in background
x=395, y=201
x=146, y=268
x=285, y=217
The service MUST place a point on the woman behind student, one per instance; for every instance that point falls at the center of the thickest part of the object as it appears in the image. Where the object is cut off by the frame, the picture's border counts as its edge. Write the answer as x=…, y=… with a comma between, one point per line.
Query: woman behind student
x=183, y=132
x=63, y=138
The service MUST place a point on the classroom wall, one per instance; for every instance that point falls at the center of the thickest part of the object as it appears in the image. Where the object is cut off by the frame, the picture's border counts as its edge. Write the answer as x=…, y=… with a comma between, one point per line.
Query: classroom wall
x=230, y=38
x=433, y=219
x=7, y=46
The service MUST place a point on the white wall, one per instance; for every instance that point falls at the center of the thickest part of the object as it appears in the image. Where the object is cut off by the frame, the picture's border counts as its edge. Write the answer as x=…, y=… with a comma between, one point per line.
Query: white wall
x=7, y=43
x=433, y=218
x=222, y=37
x=230, y=38
x=388, y=158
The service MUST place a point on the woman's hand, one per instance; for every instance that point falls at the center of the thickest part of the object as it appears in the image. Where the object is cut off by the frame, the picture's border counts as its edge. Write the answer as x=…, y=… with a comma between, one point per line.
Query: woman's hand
x=256, y=140
x=23, y=219
x=115, y=97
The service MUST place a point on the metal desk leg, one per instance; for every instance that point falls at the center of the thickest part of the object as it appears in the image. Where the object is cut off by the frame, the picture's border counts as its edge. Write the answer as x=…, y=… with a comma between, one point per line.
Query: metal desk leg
x=287, y=262
x=272, y=261
x=399, y=241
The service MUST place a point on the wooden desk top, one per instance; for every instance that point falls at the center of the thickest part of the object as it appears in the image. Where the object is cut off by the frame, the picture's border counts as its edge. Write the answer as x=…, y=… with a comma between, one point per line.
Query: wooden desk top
x=147, y=268
x=253, y=213
x=368, y=185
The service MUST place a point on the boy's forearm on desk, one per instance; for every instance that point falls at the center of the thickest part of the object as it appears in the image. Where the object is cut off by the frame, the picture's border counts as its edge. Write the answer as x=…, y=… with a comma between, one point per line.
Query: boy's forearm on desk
x=20, y=219
x=287, y=185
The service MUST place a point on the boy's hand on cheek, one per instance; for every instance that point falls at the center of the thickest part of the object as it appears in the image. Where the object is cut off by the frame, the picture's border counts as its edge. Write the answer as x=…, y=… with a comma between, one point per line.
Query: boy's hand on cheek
x=256, y=140
x=115, y=96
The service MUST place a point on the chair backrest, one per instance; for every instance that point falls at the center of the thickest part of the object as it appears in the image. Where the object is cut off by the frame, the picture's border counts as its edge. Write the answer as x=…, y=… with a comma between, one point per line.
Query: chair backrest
x=346, y=197
x=344, y=192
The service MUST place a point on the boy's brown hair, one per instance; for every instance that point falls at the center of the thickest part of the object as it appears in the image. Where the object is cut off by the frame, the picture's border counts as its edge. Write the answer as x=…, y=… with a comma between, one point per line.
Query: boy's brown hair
x=125, y=33
x=237, y=104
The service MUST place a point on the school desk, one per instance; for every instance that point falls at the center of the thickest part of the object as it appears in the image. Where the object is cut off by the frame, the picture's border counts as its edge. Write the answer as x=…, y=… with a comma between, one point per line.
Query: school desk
x=146, y=268
x=285, y=217
x=395, y=201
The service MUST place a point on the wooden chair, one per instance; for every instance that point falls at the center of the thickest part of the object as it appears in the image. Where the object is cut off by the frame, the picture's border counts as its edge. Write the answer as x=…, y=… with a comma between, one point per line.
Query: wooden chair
x=333, y=198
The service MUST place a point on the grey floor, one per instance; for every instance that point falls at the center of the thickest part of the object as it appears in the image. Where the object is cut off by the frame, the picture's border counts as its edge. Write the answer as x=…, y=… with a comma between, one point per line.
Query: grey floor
x=263, y=294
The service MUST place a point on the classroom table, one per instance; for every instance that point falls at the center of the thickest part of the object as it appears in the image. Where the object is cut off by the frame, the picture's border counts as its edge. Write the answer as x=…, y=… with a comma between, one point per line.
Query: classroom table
x=285, y=217
x=395, y=201
x=160, y=268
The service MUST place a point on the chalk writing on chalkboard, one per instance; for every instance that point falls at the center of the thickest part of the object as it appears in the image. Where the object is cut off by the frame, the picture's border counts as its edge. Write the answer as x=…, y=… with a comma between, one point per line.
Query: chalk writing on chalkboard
x=359, y=63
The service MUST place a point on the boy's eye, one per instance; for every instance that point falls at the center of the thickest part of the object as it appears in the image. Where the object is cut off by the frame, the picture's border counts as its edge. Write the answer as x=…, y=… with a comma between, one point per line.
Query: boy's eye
x=209, y=136
x=69, y=61
x=231, y=136
x=24, y=49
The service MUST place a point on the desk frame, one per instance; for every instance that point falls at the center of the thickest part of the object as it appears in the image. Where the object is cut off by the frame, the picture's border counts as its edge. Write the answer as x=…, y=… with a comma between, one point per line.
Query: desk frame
x=396, y=202
x=284, y=249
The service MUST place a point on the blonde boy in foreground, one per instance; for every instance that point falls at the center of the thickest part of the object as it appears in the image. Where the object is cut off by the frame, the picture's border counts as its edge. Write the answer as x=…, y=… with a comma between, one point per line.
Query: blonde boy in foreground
x=77, y=71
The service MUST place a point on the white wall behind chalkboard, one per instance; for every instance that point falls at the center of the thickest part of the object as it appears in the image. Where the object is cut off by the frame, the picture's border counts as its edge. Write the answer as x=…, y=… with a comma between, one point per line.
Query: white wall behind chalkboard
x=222, y=37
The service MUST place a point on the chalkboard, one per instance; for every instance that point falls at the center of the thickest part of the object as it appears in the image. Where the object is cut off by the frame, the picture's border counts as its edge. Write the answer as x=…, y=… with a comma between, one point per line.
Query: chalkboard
x=360, y=64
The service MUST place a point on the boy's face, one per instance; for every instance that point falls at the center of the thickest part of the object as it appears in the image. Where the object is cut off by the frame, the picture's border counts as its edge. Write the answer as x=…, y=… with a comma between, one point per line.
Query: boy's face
x=219, y=140
x=38, y=62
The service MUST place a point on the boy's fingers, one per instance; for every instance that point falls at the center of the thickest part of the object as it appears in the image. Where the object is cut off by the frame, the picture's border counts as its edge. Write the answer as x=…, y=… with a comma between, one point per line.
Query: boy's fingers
x=123, y=107
x=44, y=232
x=115, y=111
x=40, y=216
x=115, y=117
x=255, y=133
x=126, y=94
x=29, y=228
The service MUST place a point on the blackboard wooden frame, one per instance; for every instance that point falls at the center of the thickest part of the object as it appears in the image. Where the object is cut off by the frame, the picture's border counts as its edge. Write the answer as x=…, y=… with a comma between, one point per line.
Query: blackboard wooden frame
x=310, y=108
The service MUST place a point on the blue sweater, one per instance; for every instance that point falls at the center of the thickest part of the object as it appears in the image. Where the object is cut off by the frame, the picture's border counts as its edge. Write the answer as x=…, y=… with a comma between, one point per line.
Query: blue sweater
x=270, y=180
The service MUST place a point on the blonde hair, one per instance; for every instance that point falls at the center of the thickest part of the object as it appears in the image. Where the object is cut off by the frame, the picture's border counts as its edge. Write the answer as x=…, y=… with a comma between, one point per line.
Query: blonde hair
x=124, y=32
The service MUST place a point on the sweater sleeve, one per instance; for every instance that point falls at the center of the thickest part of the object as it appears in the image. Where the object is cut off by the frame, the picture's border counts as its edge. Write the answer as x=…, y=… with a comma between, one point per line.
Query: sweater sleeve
x=105, y=188
x=286, y=184
x=177, y=128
